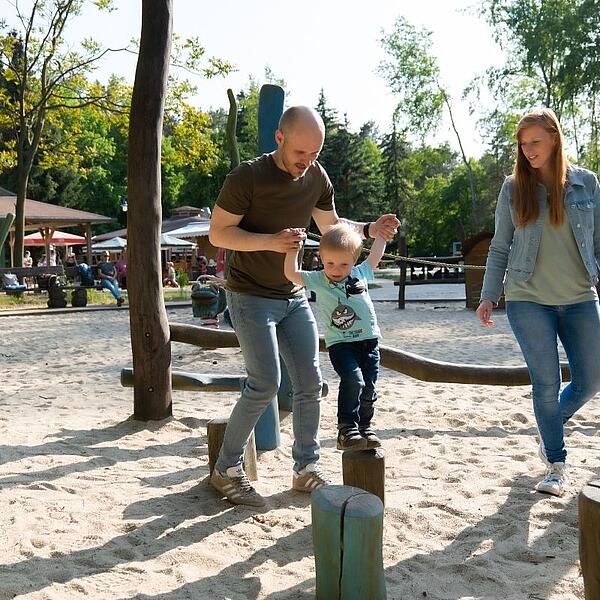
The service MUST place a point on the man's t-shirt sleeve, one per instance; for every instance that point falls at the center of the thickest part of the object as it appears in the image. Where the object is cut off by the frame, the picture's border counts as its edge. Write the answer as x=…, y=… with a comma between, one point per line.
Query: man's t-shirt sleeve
x=237, y=190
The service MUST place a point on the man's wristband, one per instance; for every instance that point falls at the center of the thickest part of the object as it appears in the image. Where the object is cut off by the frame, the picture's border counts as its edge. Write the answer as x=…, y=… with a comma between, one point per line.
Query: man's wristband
x=366, y=230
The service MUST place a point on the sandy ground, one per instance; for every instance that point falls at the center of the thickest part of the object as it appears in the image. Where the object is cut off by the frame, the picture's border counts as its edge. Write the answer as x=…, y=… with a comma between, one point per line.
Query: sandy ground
x=96, y=505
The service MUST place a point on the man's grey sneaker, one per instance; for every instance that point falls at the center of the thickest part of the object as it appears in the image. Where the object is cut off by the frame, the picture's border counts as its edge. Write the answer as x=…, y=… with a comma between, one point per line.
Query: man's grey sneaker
x=234, y=485
x=372, y=440
x=349, y=438
x=309, y=479
x=554, y=481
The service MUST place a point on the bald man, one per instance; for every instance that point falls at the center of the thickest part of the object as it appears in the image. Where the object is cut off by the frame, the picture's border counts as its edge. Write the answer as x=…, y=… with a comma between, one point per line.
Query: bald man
x=260, y=214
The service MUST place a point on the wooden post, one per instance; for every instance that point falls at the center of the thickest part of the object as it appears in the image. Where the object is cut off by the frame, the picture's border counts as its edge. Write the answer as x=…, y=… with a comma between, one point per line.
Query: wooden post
x=215, y=430
x=347, y=525
x=365, y=469
x=402, y=280
x=589, y=538
x=150, y=338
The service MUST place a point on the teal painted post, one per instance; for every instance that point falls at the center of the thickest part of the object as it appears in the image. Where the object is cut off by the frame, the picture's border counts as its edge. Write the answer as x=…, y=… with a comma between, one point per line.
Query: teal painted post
x=347, y=525
x=266, y=430
x=5, y=224
x=270, y=109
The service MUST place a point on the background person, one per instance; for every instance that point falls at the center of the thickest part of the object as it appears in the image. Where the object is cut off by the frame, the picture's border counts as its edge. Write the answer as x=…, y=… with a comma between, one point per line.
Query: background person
x=258, y=215
x=108, y=277
x=547, y=246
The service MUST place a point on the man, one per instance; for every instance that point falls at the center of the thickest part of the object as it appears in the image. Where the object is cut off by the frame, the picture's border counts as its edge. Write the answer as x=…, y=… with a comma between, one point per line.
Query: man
x=261, y=213
x=108, y=277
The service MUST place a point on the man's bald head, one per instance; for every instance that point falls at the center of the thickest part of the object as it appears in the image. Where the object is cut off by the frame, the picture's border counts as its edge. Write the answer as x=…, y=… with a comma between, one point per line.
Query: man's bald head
x=300, y=117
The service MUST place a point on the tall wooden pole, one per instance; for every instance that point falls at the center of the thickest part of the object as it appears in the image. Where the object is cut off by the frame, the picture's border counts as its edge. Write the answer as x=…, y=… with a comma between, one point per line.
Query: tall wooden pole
x=150, y=337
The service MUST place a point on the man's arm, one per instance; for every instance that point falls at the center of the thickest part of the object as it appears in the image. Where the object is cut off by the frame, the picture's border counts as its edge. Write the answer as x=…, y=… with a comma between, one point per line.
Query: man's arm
x=377, y=250
x=290, y=268
x=225, y=232
x=384, y=227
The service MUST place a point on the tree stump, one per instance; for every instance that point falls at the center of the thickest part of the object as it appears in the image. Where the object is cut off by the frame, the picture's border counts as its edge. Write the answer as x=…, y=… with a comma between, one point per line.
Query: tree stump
x=216, y=431
x=589, y=538
x=365, y=469
x=347, y=525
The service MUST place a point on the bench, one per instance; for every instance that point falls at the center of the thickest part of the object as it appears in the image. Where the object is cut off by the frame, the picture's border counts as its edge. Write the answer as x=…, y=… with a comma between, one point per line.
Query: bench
x=39, y=275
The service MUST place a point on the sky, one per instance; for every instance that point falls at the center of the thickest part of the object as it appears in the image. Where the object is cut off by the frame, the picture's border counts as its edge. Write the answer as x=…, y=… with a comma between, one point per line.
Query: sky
x=332, y=45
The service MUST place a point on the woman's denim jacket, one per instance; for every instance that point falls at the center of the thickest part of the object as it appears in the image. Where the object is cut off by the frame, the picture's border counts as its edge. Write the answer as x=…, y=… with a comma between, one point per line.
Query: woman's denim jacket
x=513, y=250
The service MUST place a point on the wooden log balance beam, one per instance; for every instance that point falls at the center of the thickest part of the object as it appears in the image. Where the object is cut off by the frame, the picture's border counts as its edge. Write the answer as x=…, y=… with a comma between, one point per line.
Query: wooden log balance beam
x=266, y=430
x=413, y=365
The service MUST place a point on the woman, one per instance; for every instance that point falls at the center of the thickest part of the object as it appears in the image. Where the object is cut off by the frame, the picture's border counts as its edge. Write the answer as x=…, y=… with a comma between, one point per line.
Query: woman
x=547, y=244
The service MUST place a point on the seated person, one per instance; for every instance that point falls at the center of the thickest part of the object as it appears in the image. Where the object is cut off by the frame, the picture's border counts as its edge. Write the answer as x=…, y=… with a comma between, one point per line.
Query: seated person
x=108, y=277
x=170, y=280
x=121, y=266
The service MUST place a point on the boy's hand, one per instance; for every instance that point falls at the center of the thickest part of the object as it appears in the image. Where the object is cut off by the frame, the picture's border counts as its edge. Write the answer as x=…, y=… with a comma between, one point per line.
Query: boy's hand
x=288, y=240
x=484, y=313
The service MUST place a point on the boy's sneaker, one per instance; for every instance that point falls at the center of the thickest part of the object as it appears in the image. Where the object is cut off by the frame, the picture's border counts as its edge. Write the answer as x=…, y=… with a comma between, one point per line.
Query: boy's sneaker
x=372, y=440
x=554, y=482
x=349, y=438
x=234, y=485
x=309, y=479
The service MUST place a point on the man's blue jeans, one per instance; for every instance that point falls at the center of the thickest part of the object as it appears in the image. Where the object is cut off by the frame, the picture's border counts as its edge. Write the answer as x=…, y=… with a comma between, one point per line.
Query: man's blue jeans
x=267, y=328
x=112, y=286
x=357, y=364
x=536, y=327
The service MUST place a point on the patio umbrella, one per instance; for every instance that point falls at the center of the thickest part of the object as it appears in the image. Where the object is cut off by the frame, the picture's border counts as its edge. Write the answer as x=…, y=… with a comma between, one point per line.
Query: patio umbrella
x=59, y=238
x=169, y=241
x=116, y=243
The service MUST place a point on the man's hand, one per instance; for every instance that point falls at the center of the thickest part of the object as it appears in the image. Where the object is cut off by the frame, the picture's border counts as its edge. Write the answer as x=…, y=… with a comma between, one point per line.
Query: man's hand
x=287, y=240
x=484, y=313
x=385, y=227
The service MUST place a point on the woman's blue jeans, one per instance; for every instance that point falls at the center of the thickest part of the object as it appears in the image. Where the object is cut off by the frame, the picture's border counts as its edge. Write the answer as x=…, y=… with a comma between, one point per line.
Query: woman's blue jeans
x=267, y=328
x=357, y=364
x=536, y=327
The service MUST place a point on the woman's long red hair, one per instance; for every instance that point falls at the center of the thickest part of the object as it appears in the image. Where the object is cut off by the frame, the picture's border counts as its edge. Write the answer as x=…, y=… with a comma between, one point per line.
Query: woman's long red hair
x=525, y=202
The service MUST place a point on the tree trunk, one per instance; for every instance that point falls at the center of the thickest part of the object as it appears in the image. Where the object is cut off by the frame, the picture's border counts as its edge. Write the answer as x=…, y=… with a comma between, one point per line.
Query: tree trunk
x=150, y=337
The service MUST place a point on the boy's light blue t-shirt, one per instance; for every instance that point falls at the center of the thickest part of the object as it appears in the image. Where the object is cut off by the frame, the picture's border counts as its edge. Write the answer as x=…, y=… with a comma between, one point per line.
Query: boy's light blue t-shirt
x=348, y=318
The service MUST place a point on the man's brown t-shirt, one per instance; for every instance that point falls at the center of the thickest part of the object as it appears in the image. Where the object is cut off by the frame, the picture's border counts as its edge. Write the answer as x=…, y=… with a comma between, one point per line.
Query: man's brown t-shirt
x=270, y=200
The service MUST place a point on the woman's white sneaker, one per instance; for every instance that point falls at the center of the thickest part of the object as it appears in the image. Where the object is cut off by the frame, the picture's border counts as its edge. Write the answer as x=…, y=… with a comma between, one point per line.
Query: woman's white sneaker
x=554, y=481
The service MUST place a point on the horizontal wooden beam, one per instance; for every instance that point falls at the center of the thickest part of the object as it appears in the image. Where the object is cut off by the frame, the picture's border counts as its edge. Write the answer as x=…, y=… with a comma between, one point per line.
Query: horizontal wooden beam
x=413, y=365
x=193, y=382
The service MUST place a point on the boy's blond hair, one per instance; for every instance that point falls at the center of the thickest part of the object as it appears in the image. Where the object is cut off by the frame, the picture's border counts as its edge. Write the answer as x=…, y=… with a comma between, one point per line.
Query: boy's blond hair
x=342, y=237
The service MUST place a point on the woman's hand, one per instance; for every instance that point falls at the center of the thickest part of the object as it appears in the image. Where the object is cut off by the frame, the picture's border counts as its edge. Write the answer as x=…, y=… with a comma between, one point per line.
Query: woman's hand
x=484, y=313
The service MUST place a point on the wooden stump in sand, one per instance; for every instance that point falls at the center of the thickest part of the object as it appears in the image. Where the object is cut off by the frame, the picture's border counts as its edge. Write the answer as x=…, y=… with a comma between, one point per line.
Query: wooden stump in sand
x=347, y=525
x=365, y=469
x=216, y=431
x=589, y=538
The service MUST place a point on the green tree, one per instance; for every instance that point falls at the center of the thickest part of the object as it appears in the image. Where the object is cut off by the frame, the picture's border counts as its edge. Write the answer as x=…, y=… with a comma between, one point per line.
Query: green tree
x=553, y=59
x=414, y=76
x=44, y=75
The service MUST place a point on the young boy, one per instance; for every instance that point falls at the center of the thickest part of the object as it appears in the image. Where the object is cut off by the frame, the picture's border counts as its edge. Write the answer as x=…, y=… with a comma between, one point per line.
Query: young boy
x=351, y=333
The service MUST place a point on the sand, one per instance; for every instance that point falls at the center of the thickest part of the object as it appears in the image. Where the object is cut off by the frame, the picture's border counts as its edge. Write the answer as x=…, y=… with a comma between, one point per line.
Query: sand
x=96, y=505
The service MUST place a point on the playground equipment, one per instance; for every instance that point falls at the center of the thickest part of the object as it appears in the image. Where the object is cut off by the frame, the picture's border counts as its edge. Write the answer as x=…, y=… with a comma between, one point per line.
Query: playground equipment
x=589, y=538
x=347, y=539
x=413, y=365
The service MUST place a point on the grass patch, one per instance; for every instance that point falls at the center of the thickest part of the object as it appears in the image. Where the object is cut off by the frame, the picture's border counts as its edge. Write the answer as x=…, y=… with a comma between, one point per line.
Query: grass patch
x=95, y=298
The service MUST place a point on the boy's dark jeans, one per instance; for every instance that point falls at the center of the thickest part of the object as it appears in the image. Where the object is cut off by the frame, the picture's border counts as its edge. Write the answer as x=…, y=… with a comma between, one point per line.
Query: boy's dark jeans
x=357, y=364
